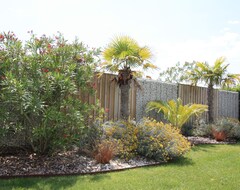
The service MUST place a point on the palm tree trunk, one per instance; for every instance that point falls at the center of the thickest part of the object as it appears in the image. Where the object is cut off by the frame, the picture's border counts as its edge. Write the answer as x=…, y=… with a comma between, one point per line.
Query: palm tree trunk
x=125, y=108
x=124, y=81
x=210, y=103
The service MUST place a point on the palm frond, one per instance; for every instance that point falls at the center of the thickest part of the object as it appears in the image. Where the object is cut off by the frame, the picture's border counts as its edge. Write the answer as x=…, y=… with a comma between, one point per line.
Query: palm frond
x=215, y=75
x=175, y=112
x=127, y=51
x=149, y=66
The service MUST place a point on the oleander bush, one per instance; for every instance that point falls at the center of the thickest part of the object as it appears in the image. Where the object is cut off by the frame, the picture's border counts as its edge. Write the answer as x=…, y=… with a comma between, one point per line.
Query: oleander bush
x=91, y=137
x=39, y=85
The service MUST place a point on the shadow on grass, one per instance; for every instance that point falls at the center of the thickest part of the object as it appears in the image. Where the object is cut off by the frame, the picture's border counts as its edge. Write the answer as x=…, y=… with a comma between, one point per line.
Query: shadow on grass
x=182, y=161
x=38, y=183
x=98, y=177
x=203, y=147
x=59, y=182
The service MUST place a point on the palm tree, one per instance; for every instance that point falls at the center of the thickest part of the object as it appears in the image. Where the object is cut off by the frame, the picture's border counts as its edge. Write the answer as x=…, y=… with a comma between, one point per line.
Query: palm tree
x=213, y=75
x=122, y=55
x=175, y=112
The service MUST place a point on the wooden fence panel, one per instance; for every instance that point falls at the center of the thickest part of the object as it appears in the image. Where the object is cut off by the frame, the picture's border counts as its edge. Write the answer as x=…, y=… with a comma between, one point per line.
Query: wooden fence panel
x=108, y=95
x=198, y=95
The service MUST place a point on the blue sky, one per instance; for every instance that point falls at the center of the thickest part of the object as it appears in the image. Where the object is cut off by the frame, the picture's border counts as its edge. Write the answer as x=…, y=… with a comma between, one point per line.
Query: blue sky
x=175, y=30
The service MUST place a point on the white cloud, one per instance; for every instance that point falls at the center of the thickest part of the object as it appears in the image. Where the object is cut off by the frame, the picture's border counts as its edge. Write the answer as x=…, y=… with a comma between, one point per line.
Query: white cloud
x=233, y=22
x=227, y=45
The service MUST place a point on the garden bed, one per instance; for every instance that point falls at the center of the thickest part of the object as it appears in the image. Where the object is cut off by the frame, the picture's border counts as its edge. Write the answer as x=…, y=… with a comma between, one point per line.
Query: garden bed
x=65, y=163
x=71, y=162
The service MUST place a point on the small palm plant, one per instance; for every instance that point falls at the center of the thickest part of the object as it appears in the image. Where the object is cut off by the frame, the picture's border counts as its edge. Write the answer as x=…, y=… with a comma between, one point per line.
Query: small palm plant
x=175, y=112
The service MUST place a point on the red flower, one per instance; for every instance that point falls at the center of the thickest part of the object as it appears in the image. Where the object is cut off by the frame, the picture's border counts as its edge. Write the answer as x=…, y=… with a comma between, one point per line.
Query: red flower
x=49, y=46
x=45, y=70
x=65, y=136
x=1, y=37
x=94, y=85
x=107, y=110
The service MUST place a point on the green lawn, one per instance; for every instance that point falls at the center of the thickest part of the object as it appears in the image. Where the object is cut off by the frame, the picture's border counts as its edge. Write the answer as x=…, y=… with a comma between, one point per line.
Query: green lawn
x=205, y=167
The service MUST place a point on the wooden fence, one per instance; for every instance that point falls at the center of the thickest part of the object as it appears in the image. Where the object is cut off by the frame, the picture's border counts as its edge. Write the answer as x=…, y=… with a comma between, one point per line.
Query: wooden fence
x=198, y=95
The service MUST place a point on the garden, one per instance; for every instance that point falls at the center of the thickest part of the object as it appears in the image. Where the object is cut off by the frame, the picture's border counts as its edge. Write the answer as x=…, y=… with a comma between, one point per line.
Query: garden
x=47, y=129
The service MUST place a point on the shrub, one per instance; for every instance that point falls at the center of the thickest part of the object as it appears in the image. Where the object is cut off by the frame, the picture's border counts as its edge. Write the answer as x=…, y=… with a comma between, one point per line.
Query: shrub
x=125, y=132
x=235, y=132
x=148, y=138
x=39, y=85
x=202, y=129
x=231, y=127
x=91, y=136
x=161, y=141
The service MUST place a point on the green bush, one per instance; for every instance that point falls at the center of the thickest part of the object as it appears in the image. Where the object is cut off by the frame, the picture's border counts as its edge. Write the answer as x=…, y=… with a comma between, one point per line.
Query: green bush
x=91, y=136
x=161, y=141
x=39, y=85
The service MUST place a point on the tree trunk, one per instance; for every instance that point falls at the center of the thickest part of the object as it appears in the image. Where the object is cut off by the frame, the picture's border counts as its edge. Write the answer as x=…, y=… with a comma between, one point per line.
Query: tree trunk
x=125, y=108
x=210, y=103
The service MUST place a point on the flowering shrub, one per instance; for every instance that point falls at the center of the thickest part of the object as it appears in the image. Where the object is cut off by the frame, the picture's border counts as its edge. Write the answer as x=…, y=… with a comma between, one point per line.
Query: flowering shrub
x=160, y=141
x=39, y=85
x=148, y=138
x=125, y=132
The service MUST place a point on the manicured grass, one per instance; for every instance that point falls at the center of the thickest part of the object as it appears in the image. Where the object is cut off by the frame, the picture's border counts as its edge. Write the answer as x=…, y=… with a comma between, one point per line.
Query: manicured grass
x=204, y=167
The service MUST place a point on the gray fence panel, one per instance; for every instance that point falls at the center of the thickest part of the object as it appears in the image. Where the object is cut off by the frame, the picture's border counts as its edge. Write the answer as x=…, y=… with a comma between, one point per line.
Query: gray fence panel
x=153, y=90
x=228, y=104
